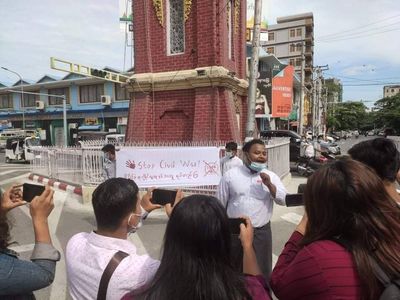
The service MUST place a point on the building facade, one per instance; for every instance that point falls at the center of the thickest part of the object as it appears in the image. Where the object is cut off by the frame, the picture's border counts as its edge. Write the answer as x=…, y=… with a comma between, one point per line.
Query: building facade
x=190, y=68
x=92, y=104
x=391, y=90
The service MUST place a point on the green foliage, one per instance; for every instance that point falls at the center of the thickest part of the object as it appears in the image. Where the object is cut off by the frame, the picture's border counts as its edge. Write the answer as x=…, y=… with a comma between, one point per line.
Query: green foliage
x=347, y=115
x=387, y=112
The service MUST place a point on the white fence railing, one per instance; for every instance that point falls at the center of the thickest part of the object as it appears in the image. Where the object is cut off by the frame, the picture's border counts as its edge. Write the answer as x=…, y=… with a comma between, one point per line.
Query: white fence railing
x=84, y=166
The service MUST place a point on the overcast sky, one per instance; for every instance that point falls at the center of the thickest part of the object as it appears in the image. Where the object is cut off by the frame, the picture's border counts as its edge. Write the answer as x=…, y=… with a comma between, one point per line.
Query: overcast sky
x=88, y=32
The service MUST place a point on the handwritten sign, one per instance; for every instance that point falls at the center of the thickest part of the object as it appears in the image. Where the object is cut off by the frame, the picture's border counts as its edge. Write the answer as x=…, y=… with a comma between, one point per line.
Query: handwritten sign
x=170, y=167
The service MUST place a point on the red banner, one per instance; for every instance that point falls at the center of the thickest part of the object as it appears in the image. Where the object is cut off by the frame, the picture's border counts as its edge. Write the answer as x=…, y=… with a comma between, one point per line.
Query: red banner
x=282, y=93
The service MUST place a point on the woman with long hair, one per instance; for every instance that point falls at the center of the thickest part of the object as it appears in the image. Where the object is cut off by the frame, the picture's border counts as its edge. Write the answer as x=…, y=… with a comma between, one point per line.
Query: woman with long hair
x=19, y=278
x=196, y=264
x=349, y=219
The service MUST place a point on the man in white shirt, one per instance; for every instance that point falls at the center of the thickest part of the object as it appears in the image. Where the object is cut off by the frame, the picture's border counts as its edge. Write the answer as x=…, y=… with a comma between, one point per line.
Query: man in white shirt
x=251, y=190
x=117, y=209
x=230, y=160
x=109, y=161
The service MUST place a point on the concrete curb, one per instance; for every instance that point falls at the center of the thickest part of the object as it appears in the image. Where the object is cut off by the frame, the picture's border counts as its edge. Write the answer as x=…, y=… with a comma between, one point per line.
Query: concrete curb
x=76, y=189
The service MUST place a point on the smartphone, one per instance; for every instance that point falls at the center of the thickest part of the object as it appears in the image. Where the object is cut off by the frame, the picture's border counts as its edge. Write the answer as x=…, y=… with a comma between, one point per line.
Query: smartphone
x=234, y=224
x=30, y=191
x=294, y=199
x=163, y=197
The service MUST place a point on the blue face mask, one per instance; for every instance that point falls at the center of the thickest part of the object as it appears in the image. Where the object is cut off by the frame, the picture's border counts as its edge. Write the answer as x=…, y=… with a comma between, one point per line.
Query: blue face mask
x=257, y=167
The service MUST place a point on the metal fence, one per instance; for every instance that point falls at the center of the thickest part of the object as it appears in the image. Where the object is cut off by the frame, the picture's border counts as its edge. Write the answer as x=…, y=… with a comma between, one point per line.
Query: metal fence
x=84, y=165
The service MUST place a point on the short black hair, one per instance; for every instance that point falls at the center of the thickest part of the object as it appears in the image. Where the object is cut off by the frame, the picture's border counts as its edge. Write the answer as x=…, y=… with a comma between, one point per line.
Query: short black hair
x=247, y=146
x=109, y=148
x=231, y=146
x=113, y=200
x=380, y=154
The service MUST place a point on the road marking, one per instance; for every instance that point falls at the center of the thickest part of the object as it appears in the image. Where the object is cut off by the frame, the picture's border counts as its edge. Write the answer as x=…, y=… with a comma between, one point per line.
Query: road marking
x=22, y=248
x=292, y=218
x=14, y=179
x=7, y=172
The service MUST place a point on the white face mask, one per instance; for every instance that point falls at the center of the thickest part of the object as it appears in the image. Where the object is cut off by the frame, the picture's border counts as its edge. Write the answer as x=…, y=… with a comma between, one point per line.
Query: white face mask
x=133, y=228
x=228, y=154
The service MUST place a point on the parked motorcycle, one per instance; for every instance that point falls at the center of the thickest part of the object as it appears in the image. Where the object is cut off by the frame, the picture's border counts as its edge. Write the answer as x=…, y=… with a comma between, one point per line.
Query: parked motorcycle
x=306, y=166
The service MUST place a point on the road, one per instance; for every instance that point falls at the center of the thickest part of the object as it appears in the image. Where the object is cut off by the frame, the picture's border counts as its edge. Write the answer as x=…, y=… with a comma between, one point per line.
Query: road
x=70, y=216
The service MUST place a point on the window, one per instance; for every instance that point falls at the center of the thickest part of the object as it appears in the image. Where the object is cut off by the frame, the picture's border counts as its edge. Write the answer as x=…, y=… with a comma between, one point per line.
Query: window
x=292, y=33
x=175, y=27
x=30, y=100
x=271, y=36
x=91, y=93
x=121, y=93
x=60, y=92
x=298, y=32
x=291, y=61
x=292, y=48
x=6, y=101
x=392, y=90
x=298, y=47
x=298, y=62
x=270, y=50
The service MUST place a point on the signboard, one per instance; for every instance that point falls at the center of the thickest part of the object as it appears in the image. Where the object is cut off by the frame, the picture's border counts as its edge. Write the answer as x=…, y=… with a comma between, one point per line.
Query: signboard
x=170, y=167
x=282, y=93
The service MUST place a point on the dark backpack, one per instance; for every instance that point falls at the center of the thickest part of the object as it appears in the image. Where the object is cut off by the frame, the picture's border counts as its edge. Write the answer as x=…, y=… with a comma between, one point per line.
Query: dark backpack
x=391, y=287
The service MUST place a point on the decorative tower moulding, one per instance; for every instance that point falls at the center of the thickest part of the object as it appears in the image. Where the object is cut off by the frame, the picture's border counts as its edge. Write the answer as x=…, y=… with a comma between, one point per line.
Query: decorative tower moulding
x=187, y=7
x=158, y=7
x=237, y=14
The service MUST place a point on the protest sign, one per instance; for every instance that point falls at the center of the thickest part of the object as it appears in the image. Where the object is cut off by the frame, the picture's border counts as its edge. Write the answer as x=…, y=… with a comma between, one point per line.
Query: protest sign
x=170, y=167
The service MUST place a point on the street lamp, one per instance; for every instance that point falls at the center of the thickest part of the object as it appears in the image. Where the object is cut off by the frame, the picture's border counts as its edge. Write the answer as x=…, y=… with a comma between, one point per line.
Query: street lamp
x=22, y=95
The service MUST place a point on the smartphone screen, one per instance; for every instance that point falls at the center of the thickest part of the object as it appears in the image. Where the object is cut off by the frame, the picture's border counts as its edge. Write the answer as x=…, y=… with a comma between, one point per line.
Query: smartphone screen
x=234, y=224
x=294, y=200
x=163, y=197
x=30, y=191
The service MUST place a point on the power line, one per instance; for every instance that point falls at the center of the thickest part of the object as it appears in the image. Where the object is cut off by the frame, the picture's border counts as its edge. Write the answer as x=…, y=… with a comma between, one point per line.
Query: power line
x=363, y=26
x=359, y=36
x=371, y=84
x=358, y=32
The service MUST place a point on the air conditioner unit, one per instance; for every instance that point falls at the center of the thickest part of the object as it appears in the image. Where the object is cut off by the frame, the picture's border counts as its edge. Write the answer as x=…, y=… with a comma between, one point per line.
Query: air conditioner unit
x=105, y=100
x=39, y=105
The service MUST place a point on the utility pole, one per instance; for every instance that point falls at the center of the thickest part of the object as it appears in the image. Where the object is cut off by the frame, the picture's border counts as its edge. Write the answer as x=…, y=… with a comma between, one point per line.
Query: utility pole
x=251, y=104
x=301, y=104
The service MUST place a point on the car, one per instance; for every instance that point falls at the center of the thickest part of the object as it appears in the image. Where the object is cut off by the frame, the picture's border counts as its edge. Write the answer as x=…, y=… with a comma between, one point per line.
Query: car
x=295, y=139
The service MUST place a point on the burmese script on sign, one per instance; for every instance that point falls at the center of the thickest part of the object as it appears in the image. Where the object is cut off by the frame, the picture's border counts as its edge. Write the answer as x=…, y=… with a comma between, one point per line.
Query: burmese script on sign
x=170, y=167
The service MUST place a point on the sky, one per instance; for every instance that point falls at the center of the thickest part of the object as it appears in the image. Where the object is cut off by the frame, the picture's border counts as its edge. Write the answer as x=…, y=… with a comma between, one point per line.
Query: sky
x=358, y=39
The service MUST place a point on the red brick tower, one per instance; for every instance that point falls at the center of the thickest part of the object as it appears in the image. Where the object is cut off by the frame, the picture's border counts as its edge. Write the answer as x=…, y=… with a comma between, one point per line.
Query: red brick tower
x=190, y=66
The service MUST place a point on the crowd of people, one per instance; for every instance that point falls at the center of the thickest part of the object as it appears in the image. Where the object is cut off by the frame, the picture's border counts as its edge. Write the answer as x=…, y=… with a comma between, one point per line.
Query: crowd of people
x=346, y=240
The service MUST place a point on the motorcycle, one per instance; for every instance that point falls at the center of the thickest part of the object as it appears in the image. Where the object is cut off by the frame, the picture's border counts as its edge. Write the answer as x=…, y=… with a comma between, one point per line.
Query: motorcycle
x=306, y=166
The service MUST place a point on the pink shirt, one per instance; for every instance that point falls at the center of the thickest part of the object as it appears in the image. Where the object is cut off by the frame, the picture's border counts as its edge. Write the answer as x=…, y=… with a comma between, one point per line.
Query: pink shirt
x=88, y=254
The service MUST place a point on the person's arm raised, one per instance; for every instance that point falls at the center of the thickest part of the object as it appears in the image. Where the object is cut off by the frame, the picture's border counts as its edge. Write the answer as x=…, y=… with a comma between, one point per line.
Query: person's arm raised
x=250, y=265
x=169, y=208
x=40, y=208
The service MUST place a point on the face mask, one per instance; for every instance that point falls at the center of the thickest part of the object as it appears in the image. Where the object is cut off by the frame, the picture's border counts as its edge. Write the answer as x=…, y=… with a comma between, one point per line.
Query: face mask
x=228, y=154
x=257, y=167
x=106, y=157
x=133, y=229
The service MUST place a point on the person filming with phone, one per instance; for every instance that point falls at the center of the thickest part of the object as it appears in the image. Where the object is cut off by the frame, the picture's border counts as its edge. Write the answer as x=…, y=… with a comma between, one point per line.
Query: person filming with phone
x=19, y=278
x=89, y=256
x=251, y=190
x=195, y=262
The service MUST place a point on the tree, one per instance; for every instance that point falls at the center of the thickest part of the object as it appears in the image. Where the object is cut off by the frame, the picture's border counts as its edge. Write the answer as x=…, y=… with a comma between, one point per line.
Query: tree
x=347, y=115
x=387, y=112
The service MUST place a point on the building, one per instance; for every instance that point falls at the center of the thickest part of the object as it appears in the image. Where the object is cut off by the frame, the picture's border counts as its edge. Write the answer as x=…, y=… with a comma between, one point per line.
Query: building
x=391, y=90
x=92, y=104
x=289, y=39
x=190, y=68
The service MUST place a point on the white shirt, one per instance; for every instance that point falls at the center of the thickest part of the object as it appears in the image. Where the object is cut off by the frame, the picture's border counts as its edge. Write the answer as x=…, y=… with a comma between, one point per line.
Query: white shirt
x=244, y=194
x=228, y=163
x=88, y=254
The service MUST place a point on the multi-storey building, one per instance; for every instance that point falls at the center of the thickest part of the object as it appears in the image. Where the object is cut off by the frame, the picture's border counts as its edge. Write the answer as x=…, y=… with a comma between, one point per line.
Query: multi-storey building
x=390, y=90
x=292, y=37
x=92, y=104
